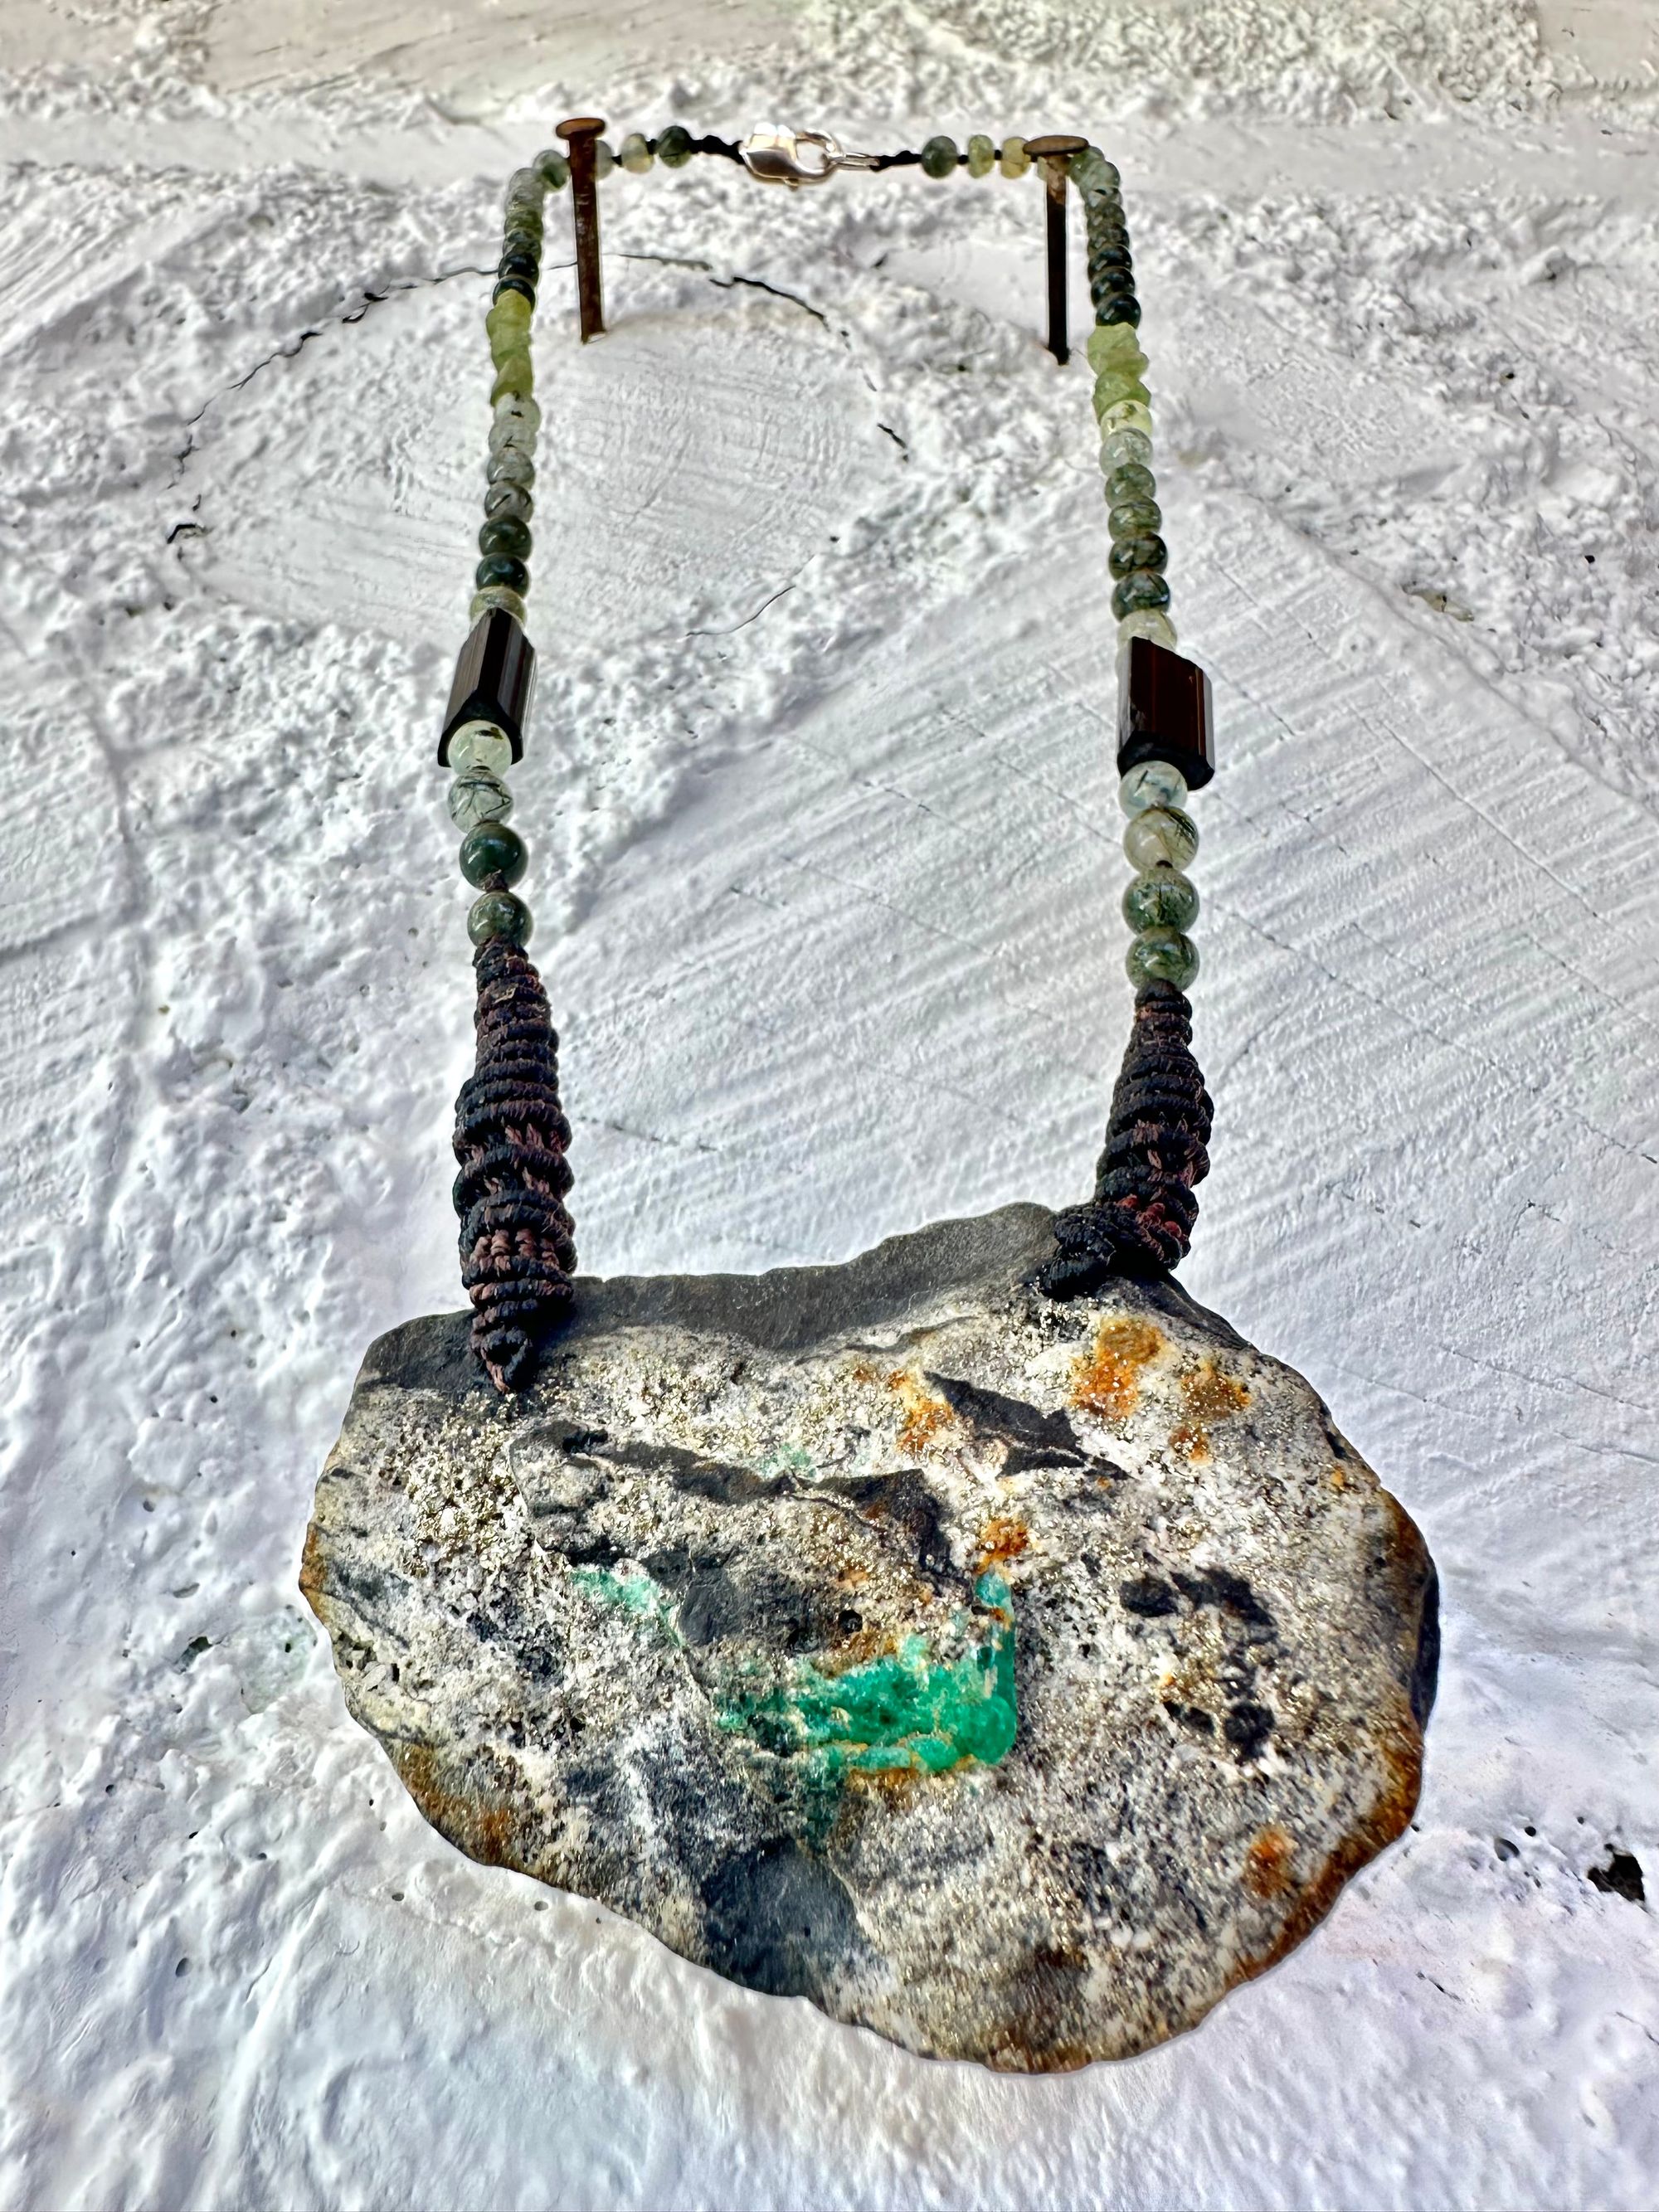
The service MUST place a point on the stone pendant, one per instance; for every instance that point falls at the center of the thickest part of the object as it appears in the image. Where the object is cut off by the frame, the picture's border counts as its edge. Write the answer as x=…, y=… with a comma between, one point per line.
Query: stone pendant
x=1010, y=1676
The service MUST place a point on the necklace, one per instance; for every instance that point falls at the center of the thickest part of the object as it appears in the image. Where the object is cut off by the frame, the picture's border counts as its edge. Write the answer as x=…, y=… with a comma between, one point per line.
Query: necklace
x=978, y=1637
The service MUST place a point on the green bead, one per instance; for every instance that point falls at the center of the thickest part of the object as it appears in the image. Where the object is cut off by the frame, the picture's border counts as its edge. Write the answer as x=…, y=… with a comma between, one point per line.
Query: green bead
x=499, y=914
x=507, y=346
x=1120, y=448
x=1161, y=899
x=480, y=745
x=1014, y=161
x=1122, y=308
x=1132, y=481
x=497, y=598
x=514, y=377
x=1160, y=836
x=674, y=148
x=493, y=849
x=1111, y=346
x=981, y=156
x=1133, y=553
x=1141, y=587
x=1130, y=414
x=502, y=499
x=512, y=311
x=1151, y=783
x=553, y=169
x=478, y=796
x=1113, y=392
x=1150, y=622
x=504, y=534
x=939, y=157
x=1161, y=956
x=604, y=160
x=1135, y=517
x=634, y=156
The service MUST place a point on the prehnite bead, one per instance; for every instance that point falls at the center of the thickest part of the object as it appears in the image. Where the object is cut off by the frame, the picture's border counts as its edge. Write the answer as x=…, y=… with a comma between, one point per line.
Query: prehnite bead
x=514, y=376
x=1161, y=899
x=511, y=312
x=481, y=745
x=1113, y=390
x=478, y=796
x=505, y=534
x=511, y=465
x=1014, y=161
x=500, y=599
x=553, y=169
x=1141, y=587
x=1151, y=623
x=634, y=155
x=1120, y=448
x=981, y=156
x=522, y=286
x=510, y=345
x=1112, y=345
x=1159, y=836
x=1133, y=553
x=1135, y=517
x=939, y=157
x=1152, y=783
x=493, y=849
x=604, y=160
x=500, y=568
x=499, y=914
x=502, y=499
x=1161, y=956
x=674, y=147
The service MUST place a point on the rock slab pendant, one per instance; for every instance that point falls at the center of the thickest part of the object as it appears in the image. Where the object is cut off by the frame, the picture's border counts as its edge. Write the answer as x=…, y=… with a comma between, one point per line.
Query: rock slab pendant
x=1011, y=1677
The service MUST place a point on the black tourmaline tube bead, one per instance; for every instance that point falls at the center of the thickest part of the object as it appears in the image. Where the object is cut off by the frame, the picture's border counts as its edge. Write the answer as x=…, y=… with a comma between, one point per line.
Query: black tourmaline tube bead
x=495, y=681
x=1165, y=713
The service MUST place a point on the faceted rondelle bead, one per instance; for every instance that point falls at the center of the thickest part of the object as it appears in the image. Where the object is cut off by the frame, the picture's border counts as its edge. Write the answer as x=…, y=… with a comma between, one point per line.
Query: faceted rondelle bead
x=553, y=169
x=1161, y=956
x=674, y=148
x=499, y=914
x=493, y=849
x=1133, y=553
x=500, y=568
x=1125, y=448
x=1151, y=623
x=604, y=160
x=1141, y=587
x=1162, y=898
x=981, y=156
x=1159, y=836
x=511, y=465
x=634, y=156
x=1135, y=517
x=481, y=745
x=478, y=796
x=1014, y=161
x=505, y=534
x=1152, y=783
x=503, y=501
x=1132, y=481
x=939, y=157
x=497, y=597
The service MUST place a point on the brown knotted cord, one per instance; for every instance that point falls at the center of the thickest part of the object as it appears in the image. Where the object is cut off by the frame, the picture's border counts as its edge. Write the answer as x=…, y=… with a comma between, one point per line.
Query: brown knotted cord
x=518, y=1246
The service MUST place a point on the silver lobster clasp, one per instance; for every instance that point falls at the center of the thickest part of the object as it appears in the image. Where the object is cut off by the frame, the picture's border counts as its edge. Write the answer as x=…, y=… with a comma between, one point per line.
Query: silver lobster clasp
x=794, y=158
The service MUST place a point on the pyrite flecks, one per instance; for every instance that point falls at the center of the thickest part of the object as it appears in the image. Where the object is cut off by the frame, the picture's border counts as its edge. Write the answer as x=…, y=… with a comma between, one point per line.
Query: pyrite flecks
x=1011, y=1677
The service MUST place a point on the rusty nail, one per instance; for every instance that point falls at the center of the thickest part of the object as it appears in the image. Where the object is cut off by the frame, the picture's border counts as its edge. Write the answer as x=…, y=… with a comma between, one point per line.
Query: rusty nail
x=580, y=134
x=1052, y=154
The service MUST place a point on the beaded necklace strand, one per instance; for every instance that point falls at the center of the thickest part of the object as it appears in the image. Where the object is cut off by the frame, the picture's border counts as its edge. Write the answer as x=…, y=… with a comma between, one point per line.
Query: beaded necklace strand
x=517, y=1245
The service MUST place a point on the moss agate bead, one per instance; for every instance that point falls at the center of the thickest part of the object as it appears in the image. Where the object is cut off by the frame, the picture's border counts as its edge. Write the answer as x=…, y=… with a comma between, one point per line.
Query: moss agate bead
x=1133, y=553
x=501, y=568
x=527, y=267
x=1162, y=898
x=1152, y=783
x=1141, y=587
x=504, y=534
x=1014, y=161
x=478, y=796
x=499, y=914
x=1118, y=308
x=674, y=147
x=553, y=169
x=1159, y=836
x=1161, y=956
x=493, y=849
x=939, y=157
x=981, y=156
x=480, y=745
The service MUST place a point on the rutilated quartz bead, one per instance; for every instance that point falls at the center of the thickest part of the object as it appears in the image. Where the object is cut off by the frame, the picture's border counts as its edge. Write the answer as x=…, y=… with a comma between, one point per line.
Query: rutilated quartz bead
x=1135, y=517
x=1131, y=481
x=1162, y=898
x=1133, y=553
x=479, y=796
x=634, y=156
x=511, y=465
x=1152, y=783
x=674, y=147
x=1161, y=956
x=515, y=422
x=1127, y=415
x=1141, y=587
x=481, y=745
x=1122, y=447
x=981, y=156
x=505, y=500
x=1166, y=834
